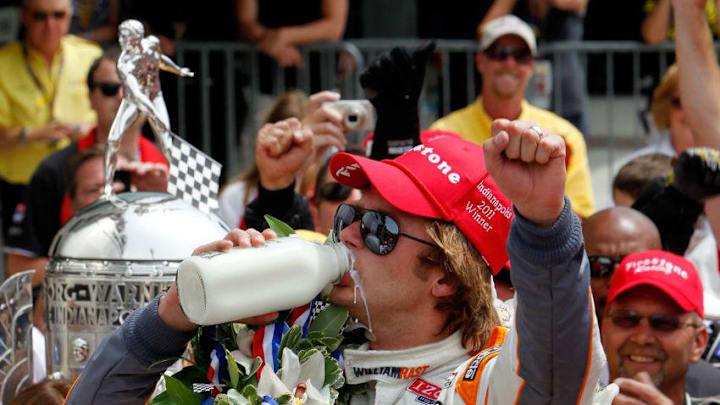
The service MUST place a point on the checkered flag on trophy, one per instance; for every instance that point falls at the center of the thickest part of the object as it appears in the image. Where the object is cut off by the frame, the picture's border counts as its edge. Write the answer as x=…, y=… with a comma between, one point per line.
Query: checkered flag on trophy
x=194, y=176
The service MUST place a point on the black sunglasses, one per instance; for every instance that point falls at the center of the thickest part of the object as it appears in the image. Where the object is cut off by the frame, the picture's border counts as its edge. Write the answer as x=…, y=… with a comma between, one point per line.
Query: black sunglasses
x=108, y=89
x=628, y=319
x=38, y=15
x=332, y=191
x=603, y=266
x=500, y=53
x=379, y=231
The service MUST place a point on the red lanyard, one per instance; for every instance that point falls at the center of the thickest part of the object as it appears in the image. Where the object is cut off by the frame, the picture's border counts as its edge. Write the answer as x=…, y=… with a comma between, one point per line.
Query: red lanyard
x=50, y=100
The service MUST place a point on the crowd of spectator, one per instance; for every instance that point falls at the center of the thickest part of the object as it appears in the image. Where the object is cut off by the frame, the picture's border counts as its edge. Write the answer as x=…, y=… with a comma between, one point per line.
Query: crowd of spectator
x=617, y=306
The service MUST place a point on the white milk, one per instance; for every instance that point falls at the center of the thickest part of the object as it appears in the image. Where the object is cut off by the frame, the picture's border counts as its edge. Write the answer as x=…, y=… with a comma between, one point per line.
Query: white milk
x=220, y=287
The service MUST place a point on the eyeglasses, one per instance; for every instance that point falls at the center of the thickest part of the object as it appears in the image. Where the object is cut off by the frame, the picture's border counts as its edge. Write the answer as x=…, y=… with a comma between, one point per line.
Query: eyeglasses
x=332, y=191
x=628, y=319
x=108, y=89
x=500, y=53
x=379, y=231
x=39, y=15
x=603, y=266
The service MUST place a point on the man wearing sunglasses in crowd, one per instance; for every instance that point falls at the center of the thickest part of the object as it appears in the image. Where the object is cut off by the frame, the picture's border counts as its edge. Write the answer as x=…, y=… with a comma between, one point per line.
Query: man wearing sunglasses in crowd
x=430, y=229
x=653, y=329
x=43, y=96
x=610, y=236
x=506, y=62
x=47, y=204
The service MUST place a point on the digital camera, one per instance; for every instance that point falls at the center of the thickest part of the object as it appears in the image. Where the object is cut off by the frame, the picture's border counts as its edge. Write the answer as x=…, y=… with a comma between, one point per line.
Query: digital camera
x=358, y=115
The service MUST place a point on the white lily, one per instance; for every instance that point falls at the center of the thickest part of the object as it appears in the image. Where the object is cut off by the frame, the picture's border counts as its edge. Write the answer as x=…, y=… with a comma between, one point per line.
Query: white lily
x=293, y=374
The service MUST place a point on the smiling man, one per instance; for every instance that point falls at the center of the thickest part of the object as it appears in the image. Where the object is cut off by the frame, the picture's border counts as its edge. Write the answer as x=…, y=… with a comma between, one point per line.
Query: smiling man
x=506, y=62
x=653, y=328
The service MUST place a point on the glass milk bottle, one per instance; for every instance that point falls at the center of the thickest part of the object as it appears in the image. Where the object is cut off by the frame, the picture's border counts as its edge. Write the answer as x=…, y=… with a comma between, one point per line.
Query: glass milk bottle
x=225, y=286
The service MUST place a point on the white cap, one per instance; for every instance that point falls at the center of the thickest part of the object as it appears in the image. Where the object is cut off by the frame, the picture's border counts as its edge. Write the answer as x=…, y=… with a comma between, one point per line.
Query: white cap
x=507, y=25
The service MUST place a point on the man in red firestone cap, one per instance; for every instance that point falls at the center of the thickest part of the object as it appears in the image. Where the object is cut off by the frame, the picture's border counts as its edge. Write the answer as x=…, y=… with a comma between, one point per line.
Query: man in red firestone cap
x=653, y=328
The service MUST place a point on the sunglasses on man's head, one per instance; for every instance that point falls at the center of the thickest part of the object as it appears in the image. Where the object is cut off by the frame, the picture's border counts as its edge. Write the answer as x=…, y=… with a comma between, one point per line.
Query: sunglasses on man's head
x=332, y=191
x=628, y=319
x=500, y=53
x=39, y=15
x=603, y=266
x=108, y=89
x=380, y=232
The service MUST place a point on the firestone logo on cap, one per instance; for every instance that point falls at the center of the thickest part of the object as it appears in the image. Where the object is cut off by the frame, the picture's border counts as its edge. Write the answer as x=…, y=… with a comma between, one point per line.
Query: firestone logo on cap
x=672, y=274
x=436, y=159
x=655, y=264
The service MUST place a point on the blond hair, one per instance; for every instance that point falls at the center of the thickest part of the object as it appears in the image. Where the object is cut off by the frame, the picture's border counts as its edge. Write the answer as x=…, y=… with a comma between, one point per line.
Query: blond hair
x=471, y=308
x=662, y=98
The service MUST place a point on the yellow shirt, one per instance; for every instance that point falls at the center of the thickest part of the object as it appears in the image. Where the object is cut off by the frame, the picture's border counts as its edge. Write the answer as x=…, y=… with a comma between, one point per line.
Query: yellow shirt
x=24, y=104
x=473, y=124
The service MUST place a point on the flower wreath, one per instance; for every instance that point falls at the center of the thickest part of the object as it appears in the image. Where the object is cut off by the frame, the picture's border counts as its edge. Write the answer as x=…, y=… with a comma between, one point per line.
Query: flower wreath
x=295, y=360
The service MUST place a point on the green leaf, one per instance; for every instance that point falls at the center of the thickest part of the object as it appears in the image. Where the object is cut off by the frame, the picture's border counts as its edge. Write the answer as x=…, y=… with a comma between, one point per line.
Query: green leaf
x=191, y=374
x=281, y=228
x=251, y=377
x=331, y=343
x=283, y=399
x=290, y=340
x=162, y=399
x=222, y=399
x=314, y=335
x=237, y=398
x=250, y=392
x=330, y=321
x=303, y=355
x=333, y=374
x=226, y=336
x=233, y=369
x=180, y=393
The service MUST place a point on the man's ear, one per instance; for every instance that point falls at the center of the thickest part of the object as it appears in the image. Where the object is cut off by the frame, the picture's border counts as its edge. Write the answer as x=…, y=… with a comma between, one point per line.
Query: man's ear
x=699, y=342
x=444, y=285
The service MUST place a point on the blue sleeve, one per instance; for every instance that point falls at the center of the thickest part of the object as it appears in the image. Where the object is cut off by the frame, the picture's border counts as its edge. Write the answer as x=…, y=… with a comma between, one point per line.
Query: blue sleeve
x=555, y=321
x=119, y=371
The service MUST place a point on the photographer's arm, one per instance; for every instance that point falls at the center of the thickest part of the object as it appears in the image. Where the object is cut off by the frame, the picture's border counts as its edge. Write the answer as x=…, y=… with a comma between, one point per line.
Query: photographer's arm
x=699, y=82
x=656, y=24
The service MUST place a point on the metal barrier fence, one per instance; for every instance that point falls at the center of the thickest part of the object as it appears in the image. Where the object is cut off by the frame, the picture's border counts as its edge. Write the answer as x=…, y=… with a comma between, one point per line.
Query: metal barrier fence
x=219, y=109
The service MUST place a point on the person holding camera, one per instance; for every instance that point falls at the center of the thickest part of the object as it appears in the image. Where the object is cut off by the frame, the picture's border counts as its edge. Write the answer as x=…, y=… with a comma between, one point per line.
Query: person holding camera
x=47, y=205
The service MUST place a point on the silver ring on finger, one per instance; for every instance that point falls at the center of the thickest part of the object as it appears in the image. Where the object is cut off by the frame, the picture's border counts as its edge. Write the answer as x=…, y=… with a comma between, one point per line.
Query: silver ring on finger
x=538, y=131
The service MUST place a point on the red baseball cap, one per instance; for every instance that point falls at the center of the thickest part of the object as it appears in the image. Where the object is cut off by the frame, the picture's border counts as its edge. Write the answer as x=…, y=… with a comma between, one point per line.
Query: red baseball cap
x=443, y=178
x=672, y=274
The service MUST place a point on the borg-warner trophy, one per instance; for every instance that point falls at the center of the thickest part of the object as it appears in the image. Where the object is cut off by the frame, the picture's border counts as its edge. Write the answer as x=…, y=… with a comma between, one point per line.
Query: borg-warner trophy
x=118, y=253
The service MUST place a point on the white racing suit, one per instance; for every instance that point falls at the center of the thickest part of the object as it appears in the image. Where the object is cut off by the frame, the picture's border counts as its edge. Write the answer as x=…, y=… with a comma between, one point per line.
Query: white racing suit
x=550, y=355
